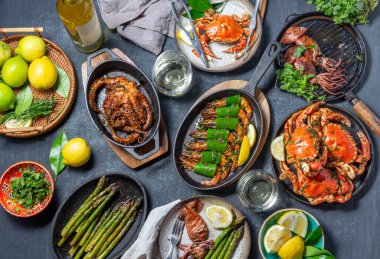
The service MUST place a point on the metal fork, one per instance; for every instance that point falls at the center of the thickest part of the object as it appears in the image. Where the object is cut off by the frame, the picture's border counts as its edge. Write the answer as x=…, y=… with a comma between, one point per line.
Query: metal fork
x=175, y=236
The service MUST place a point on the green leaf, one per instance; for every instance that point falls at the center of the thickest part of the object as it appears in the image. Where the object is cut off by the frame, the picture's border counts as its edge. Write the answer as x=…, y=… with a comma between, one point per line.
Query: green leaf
x=194, y=14
x=360, y=58
x=216, y=6
x=56, y=158
x=62, y=86
x=314, y=236
x=298, y=52
x=311, y=251
x=199, y=5
x=24, y=99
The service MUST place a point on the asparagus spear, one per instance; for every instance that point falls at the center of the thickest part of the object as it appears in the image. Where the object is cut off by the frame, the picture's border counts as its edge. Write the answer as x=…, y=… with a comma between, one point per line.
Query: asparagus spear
x=225, y=248
x=135, y=205
x=93, y=215
x=109, y=231
x=102, y=182
x=219, y=248
x=80, y=220
x=118, y=237
x=73, y=250
x=234, y=243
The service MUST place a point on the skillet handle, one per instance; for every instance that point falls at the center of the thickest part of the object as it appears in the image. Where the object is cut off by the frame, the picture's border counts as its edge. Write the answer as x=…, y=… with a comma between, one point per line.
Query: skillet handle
x=367, y=115
x=156, y=139
x=266, y=60
x=98, y=53
x=289, y=18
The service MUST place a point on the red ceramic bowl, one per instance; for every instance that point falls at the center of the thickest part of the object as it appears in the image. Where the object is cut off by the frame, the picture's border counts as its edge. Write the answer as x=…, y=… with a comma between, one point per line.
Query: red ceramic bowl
x=8, y=203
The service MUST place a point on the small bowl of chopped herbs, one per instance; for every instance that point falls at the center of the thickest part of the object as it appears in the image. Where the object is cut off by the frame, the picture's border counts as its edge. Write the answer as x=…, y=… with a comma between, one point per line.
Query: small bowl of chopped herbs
x=26, y=189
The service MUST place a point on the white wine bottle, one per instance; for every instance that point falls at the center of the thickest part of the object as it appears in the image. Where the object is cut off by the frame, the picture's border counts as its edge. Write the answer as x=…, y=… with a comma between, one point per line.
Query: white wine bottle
x=82, y=23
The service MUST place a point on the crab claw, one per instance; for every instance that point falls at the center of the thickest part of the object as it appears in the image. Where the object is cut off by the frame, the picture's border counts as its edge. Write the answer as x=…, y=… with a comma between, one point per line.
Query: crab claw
x=239, y=46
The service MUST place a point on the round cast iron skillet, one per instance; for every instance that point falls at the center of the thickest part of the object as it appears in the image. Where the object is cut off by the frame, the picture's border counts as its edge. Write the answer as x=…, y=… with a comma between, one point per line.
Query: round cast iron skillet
x=356, y=126
x=117, y=67
x=189, y=123
x=343, y=42
x=129, y=187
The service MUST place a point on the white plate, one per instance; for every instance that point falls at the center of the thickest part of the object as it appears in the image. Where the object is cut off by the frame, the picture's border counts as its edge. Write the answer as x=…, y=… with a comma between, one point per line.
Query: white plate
x=227, y=61
x=242, y=250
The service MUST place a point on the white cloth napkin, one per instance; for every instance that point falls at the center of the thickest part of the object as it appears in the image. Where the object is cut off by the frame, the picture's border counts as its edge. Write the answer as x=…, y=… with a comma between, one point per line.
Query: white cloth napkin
x=144, y=22
x=145, y=246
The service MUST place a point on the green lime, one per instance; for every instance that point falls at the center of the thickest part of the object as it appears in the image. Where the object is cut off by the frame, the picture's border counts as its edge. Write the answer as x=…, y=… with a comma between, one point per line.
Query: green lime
x=7, y=98
x=31, y=47
x=15, y=72
x=5, y=53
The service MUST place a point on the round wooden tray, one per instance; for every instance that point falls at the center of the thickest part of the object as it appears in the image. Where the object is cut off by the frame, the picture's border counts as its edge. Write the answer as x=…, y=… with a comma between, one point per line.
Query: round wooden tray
x=63, y=105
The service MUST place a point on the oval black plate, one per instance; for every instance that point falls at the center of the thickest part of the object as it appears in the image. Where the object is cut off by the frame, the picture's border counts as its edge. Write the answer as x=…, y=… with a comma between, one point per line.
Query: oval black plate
x=356, y=126
x=129, y=186
x=189, y=124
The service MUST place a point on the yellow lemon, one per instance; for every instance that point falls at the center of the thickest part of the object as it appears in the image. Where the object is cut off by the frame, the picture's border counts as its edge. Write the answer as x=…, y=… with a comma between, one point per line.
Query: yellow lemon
x=244, y=151
x=219, y=217
x=42, y=73
x=277, y=148
x=31, y=47
x=15, y=72
x=5, y=53
x=251, y=134
x=76, y=152
x=7, y=98
x=293, y=249
x=275, y=237
x=296, y=221
x=181, y=34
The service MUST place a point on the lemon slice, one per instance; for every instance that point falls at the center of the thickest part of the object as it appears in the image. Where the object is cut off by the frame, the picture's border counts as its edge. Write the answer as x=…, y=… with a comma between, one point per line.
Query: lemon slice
x=293, y=249
x=244, y=151
x=12, y=124
x=183, y=36
x=219, y=217
x=275, y=237
x=251, y=134
x=277, y=148
x=296, y=221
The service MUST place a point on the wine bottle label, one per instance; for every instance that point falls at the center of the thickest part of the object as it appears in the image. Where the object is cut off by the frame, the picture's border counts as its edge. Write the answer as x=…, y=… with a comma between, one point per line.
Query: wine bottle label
x=90, y=32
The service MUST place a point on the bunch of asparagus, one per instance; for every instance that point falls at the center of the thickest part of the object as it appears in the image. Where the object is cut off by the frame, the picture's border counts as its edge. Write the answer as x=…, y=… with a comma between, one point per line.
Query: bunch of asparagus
x=227, y=241
x=95, y=234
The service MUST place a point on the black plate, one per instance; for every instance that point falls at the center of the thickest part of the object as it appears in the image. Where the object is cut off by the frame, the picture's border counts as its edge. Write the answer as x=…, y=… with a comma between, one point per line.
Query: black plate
x=129, y=187
x=118, y=67
x=356, y=126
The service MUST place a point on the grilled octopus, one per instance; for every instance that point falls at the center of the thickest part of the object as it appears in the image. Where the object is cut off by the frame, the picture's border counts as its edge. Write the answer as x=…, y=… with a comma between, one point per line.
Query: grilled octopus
x=125, y=108
x=196, y=250
x=195, y=225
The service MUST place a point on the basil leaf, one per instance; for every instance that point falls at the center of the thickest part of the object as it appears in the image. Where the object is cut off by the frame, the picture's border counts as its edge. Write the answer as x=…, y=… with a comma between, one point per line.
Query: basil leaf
x=314, y=236
x=298, y=52
x=199, y=5
x=62, y=86
x=311, y=251
x=194, y=14
x=56, y=158
x=24, y=99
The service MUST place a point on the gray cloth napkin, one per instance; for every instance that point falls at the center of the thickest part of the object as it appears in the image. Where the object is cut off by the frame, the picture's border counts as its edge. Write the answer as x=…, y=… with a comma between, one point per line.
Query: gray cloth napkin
x=144, y=22
x=145, y=246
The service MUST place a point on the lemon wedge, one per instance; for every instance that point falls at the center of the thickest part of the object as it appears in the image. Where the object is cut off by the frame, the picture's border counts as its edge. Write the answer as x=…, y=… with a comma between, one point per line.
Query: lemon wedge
x=296, y=221
x=183, y=36
x=277, y=148
x=219, y=217
x=293, y=249
x=244, y=151
x=275, y=237
x=251, y=134
x=12, y=124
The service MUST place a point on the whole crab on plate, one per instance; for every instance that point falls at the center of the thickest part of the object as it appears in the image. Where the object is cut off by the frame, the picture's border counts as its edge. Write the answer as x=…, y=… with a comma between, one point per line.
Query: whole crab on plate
x=326, y=150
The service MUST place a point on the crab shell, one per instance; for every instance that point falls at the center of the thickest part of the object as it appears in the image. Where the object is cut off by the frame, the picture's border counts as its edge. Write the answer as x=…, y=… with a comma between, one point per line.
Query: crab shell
x=224, y=29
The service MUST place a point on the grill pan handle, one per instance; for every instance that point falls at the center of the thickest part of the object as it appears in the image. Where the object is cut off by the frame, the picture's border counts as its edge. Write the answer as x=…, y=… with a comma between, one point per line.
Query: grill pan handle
x=289, y=18
x=266, y=60
x=156, y=139
x=98, y=53
x=367, y=115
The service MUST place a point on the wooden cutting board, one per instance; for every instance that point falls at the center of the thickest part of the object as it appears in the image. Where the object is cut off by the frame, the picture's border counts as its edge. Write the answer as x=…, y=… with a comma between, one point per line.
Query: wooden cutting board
x=127, y=158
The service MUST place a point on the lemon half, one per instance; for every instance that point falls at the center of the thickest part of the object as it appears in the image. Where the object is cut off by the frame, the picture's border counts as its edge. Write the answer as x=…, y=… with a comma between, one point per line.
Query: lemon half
x=275, y=237
x=183, y=36
x=293, y=249
x=296, y=221
x=277, y=148
x=12, y=124
x=244, y=151
x=219, y=217
x=251, y=134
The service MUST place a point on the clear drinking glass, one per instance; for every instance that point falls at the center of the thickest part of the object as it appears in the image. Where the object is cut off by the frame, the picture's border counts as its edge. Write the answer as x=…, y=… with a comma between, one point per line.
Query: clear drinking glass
x=257, y=190
x=172, y=73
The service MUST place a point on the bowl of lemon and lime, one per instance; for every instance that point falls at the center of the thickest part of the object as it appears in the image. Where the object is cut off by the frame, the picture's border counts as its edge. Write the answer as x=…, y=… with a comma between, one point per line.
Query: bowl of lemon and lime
x=292, y=234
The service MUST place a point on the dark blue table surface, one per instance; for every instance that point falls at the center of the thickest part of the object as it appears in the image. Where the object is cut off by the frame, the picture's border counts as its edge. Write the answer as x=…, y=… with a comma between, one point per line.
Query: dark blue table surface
x=351, y=229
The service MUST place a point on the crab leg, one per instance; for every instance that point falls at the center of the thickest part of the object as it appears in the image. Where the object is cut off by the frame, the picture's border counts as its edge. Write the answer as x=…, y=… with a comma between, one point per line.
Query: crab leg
x=239, y=46
x=287, y=173
x=329, y=115
x=366, y=152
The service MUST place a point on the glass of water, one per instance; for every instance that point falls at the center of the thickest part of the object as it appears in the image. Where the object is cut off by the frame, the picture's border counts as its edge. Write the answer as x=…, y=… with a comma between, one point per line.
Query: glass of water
x=257, y=190
x=172, y=73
